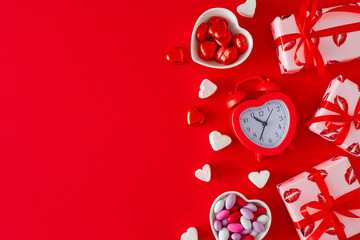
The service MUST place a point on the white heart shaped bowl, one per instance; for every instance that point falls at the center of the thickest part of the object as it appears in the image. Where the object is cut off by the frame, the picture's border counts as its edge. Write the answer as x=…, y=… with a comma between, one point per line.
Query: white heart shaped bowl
x=234, y=29
x=223, y=196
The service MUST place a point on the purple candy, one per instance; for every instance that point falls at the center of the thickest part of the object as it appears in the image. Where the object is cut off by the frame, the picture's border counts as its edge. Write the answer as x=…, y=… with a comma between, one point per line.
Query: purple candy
x=246, y=231
x=236, y=236
x=230, y=201
x=252, y=207
x=235, y=227
x=222, y=214
x=217, y=225
x=225, y=222
x=246, y=213
x=259, y=227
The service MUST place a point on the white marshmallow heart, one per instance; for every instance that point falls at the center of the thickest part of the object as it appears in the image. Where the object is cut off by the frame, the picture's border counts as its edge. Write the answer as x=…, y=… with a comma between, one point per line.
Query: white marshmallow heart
x=191, y=234
x=204, y=174
x=207, y=88
x=247, y=9
x=259, y=179
x=218, y=141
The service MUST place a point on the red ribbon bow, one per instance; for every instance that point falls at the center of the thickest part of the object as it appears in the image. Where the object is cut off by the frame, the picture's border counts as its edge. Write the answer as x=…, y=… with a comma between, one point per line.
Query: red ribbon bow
x=329, y=209
x=305, y=22
x=343, y=119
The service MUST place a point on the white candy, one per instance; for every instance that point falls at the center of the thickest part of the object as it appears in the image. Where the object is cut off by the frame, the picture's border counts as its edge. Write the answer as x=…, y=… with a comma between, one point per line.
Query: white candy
x=263, y=219
x=191, y=234
x=247, y=9
x=204, y=174
x=218, y=141
x=254, y=233
x=259, y=179
x=246, y=223
x=219, y=206
x=224, y=234
x=207, y=88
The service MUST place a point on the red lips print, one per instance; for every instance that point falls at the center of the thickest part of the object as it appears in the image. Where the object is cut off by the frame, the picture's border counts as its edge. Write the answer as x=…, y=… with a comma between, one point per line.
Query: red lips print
x=339, y=39
x=322, y=172
x=331, y=229
x=307, y=230
x=322, y=199
x=289, y=45
x=329, y=134
x=342, y=103
x=292, y=195
x=350, y=177
x=354, y=149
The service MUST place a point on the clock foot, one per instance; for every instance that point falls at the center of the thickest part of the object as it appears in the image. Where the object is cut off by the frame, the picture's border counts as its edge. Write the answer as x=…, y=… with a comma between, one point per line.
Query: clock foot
x=291, y=147
x=258, y=157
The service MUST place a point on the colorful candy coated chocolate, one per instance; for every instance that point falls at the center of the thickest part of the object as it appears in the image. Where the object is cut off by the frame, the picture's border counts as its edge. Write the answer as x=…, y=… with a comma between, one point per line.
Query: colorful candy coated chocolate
x=235, y=227
x=241, y=202
x=217, y=225
x=257, y=226
x=236, y=236
x=246, y=231
x=245, y=223
x=224, y=234
x=222, y=214
x=230, y=201
x=234, y=217
x=219, y=206
x=246, y=213
x=260, y=211
x=234, y=208
x=249, y=237
x=263, y=219
x=252, y=207
x=225, y=222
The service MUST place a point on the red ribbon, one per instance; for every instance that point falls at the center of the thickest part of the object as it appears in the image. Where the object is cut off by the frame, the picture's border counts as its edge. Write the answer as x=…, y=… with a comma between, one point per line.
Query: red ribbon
x=341, y=117
x=328, y=211
x=305, y=22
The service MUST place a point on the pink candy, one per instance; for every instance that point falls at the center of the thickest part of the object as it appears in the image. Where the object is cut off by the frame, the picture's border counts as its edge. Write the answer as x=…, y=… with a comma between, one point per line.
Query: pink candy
x=235, y=227
x=222, y=214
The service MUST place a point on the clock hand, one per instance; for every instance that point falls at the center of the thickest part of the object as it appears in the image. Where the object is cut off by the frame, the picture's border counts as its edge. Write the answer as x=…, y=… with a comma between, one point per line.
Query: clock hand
x=257, y=119
x=265, y=123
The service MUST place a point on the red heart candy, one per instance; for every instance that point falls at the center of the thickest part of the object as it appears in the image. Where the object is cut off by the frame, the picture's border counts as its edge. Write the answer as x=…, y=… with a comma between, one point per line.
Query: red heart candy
x=175, y=55
x=240, y=43
x=226, y=41
x=207, y=50
x=195, y=117
x=227, y=55
x=202, y=32
x=218, y=31
x=215, y=19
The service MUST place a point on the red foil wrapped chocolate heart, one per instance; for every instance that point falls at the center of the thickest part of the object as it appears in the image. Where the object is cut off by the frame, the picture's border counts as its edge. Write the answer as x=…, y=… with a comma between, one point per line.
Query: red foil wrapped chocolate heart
x=239, y=41
x=215, y=19
x=226, y=41
x=227, y=55
x=175, y=55
x=218, y=31
x=202, y=32
x=207, y=50
x=195, y=117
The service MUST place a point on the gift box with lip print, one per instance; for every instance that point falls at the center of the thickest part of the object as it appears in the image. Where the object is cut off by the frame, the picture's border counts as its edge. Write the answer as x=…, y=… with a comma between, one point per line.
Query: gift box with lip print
x=324, y=202
x=317, y=37
x=337, y=118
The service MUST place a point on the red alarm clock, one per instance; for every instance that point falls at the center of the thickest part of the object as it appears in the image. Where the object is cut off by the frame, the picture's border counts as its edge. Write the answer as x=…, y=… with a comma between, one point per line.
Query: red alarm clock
x=265, y=125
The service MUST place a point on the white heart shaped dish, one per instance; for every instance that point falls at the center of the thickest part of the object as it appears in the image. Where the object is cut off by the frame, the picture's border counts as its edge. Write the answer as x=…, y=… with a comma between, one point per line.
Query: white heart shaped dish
x=234, y=29
x=223, y=196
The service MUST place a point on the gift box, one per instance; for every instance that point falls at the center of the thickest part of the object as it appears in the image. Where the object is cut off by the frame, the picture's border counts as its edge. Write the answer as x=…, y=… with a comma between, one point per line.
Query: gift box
x=324, y=202
x=318, y=37
x=337, y=118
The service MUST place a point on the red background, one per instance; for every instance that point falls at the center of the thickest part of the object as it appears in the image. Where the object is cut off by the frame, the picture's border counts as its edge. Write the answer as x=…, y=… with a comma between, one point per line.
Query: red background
x=93, y=136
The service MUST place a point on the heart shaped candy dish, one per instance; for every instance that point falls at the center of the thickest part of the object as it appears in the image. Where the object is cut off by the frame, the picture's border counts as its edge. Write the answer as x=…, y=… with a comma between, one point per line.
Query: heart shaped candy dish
x=234, y=216
x=218, y=41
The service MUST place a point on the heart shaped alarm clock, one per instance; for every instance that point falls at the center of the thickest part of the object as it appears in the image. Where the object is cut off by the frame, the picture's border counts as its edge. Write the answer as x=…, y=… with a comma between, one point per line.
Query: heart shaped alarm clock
x=265, y=125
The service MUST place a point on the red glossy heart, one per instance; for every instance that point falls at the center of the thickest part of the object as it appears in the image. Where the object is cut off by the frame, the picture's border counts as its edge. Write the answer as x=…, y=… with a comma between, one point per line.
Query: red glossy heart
x=218, y=31
x=202, y=32
x=240, y=43
x=216, y=19
x=175, y=55
x=227, y=55
x=195, y=117
x=226, y=41
x=207, y=50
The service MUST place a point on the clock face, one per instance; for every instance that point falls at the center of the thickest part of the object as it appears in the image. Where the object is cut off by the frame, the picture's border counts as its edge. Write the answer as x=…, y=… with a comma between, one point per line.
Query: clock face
x=267, y=125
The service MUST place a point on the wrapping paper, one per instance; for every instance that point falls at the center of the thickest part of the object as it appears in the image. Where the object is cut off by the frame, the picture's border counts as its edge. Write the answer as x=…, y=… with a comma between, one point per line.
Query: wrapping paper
x=345, y=94
x=340, y=178
x=334, y=49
